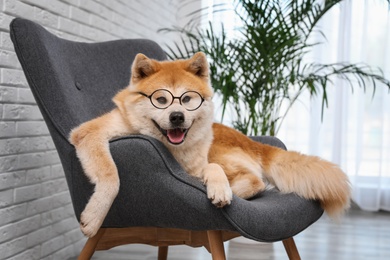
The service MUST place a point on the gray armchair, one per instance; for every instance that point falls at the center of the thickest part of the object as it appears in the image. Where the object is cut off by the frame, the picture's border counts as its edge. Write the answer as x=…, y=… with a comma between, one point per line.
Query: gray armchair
x=158, y=202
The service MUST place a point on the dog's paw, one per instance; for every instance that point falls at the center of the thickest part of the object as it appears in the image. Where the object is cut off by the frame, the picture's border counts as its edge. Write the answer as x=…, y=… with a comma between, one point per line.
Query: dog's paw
x=220, y=194
x=90, y=221
x=88, y=225
x=95, y=212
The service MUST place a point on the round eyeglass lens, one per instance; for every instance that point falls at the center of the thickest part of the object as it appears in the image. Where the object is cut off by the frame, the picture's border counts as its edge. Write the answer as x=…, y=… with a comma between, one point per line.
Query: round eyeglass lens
x=161, y=98
x=191, y=100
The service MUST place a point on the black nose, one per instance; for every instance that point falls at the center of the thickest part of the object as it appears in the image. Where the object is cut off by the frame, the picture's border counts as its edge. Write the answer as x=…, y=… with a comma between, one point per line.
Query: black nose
x=176, y=118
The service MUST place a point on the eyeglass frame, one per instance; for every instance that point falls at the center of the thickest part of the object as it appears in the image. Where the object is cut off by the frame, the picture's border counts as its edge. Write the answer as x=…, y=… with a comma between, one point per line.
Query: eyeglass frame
x=173, y=98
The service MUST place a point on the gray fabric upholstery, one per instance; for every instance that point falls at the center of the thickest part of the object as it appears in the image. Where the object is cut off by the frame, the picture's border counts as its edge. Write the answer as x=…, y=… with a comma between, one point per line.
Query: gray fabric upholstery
x=73, y=82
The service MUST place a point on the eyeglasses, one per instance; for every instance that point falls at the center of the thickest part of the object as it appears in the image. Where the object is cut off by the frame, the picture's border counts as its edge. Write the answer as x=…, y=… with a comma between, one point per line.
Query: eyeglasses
x=162, y=98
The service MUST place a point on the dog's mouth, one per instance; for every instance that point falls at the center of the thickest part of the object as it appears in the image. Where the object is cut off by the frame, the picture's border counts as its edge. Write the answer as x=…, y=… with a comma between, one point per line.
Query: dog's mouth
x=175, y=135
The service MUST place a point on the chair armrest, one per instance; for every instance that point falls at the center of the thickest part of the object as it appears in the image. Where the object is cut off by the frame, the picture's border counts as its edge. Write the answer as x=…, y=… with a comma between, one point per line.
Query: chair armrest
x=156, y=191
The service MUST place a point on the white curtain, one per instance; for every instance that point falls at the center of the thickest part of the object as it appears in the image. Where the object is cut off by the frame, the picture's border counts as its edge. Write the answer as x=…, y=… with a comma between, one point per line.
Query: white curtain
x=355, y=130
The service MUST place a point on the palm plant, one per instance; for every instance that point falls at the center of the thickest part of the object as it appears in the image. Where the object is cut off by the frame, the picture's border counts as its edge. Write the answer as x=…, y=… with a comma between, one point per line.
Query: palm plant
x=255, y=72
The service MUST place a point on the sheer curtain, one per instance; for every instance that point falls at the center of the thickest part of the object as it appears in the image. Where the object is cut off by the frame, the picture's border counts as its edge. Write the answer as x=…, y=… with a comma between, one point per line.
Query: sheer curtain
x=355, y=130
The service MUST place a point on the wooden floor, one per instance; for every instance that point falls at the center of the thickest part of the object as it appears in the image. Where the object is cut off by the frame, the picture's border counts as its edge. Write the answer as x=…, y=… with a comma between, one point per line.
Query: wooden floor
x=360, y=235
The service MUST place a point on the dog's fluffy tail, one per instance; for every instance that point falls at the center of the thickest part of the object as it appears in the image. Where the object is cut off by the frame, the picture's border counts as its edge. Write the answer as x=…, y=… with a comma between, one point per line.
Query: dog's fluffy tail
x=308, y=176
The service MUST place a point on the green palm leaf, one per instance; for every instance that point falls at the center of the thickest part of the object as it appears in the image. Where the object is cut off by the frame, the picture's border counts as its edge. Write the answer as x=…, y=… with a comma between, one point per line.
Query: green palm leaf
x=255, y=72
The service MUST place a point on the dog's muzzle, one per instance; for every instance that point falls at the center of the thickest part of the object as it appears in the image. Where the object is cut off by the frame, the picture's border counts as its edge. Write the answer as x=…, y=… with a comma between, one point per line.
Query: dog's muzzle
x=177, y=133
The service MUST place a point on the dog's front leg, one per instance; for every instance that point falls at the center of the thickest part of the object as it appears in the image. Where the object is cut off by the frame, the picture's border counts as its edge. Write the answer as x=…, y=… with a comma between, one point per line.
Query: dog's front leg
x=91, y=140
x=218, y=188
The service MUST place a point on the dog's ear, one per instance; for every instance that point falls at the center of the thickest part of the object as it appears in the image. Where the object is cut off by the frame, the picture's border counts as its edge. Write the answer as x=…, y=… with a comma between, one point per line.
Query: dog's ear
x=142, y=67
x=198, y=65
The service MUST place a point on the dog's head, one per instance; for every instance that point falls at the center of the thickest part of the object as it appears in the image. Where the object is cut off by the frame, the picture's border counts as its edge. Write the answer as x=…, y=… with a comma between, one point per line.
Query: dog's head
x=169, y=100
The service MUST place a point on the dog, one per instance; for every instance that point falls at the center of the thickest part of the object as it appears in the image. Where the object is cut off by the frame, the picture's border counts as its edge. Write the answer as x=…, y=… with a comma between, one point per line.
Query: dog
x=172, y=102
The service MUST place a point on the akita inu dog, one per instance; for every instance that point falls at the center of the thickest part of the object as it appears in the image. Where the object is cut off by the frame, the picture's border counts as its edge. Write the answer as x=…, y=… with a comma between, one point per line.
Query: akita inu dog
x=171, y=101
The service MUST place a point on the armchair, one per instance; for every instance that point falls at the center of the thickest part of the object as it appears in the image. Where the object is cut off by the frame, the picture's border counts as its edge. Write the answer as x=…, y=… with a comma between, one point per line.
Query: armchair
x=158, y=203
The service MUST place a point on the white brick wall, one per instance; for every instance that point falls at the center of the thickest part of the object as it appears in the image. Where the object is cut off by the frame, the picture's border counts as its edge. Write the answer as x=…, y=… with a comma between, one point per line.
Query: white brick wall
x=36, y=214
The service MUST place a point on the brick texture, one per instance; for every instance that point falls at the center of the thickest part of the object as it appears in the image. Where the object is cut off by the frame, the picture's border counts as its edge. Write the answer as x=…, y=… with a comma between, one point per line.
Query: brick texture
x=36, y=214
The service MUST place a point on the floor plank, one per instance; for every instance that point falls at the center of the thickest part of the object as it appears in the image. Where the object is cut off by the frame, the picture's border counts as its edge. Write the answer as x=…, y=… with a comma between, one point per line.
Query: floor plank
x=359, y=235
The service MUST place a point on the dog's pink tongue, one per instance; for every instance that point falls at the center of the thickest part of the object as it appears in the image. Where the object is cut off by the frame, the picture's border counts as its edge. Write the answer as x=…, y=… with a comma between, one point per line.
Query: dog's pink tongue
x=175, y=136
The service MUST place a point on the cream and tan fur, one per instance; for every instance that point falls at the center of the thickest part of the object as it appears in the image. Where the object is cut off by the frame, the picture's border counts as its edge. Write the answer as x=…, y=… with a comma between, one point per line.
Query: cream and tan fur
x=225, y=160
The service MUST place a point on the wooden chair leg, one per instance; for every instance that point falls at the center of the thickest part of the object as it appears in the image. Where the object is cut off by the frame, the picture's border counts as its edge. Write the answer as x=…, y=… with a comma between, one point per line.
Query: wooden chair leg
x=90, y=245
x=216, y=244
x=162, y=252
x=291, y=249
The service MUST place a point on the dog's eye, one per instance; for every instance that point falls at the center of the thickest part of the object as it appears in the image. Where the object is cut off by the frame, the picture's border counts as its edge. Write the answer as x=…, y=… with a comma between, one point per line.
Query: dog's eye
x=162, y=100
x=186, y=99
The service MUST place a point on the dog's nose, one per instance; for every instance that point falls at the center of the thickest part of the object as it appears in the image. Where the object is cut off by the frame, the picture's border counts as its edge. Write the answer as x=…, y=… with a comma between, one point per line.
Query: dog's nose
x=176, y=118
